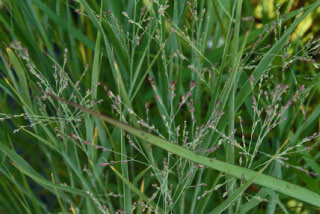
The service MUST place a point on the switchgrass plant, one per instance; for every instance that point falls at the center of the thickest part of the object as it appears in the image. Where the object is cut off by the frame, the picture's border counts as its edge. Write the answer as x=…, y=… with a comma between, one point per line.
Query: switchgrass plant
x=159, y=106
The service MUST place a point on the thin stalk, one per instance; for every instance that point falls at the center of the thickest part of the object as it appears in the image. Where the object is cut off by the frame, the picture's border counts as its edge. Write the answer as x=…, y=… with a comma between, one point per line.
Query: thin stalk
x=219, y=19
x=231, y=112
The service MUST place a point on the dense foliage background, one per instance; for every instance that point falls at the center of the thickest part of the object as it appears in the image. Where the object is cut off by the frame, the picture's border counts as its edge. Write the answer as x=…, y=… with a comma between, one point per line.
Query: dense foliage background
x=223, y=95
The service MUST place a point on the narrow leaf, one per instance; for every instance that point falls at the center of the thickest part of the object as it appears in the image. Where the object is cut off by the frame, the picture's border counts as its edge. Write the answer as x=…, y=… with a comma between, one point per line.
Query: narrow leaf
x=279, y=185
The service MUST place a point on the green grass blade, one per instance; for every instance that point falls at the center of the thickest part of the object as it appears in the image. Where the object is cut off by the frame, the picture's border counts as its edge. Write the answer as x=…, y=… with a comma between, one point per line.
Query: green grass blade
x=134, y=189
x=96, y=65
x=254, y=201
x=227, y=203
x=279, y=185
x=26, y=169
x=23, y=85
x=314, y=116
x=63, y=24
x=269, y=57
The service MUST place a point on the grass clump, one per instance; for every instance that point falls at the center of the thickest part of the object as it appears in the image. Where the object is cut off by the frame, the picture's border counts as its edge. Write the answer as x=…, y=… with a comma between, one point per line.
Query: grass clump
x=159, y=106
